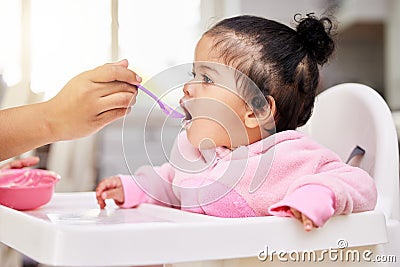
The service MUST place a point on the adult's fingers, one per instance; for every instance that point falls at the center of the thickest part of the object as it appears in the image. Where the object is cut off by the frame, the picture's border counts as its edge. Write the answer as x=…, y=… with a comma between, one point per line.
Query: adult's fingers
x=113, y=72
x=21, y=163
x=105, y=89
x=113, y=107
x=116, y=101
x=123, y=62
x=112, y=115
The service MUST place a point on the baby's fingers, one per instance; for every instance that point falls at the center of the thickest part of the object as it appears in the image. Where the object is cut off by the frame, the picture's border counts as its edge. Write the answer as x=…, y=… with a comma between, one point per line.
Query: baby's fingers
x=308, y=224
x=101, y=202
x=296, y=214
x=107, y=183
x=116, y=194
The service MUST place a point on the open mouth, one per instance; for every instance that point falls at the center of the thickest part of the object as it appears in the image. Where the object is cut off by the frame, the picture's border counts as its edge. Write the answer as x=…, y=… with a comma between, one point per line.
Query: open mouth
x=187, y=121
x=188, y=116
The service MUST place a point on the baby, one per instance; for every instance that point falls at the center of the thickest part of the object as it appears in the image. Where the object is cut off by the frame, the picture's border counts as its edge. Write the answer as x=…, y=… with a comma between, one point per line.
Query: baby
x=240, y=155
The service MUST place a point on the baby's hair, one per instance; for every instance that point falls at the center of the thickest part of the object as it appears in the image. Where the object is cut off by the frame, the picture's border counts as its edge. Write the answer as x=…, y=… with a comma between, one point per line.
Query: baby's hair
x=281, y=61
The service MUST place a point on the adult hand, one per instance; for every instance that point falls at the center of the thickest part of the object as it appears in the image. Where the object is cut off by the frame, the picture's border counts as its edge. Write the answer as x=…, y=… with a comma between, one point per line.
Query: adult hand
x=92, y=99
x=87, y=103
x=20, y=163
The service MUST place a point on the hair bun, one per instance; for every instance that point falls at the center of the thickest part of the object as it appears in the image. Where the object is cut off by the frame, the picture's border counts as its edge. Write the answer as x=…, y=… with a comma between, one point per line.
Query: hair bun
x=315, y=35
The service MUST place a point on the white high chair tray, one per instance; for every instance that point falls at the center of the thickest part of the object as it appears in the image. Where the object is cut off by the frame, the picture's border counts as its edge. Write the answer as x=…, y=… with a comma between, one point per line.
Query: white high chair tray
x=72, y=231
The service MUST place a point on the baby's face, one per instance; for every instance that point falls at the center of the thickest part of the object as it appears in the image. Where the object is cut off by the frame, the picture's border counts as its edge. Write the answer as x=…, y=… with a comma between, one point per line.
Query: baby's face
x=215, y=112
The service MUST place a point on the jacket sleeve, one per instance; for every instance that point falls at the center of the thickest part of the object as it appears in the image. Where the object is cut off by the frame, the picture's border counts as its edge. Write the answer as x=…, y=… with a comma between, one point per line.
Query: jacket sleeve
x=149, y=185
x=353, y=188
x=314, y=201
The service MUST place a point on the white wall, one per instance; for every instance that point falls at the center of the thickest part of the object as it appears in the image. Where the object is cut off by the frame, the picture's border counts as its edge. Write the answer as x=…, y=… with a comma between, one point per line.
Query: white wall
x=284, y=10
x=392, y=55
x=360, y=49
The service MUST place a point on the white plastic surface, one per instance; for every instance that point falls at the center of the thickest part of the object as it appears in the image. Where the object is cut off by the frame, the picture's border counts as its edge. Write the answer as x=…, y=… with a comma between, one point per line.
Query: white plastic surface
x=72, y=231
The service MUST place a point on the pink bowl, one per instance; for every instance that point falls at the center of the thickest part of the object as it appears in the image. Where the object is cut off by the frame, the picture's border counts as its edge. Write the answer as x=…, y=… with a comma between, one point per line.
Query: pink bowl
x=26, y=189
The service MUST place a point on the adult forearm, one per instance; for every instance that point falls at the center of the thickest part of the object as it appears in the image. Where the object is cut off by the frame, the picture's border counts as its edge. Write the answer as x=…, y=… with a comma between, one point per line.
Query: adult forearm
x=87, y=103
x=23, y=129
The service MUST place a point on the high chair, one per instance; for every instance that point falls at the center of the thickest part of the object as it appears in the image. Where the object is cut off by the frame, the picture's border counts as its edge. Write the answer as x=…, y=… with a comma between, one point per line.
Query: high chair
x=354, y=115
x=72, y=231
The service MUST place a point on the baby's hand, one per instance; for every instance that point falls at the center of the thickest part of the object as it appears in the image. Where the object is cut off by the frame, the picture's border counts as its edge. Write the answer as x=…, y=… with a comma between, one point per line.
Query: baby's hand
x=110, y=187
x=307, y=223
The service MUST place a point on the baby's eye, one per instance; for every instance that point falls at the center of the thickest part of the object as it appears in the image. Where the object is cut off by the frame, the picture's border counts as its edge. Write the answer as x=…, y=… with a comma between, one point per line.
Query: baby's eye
x=192, y=74
x=206, y=79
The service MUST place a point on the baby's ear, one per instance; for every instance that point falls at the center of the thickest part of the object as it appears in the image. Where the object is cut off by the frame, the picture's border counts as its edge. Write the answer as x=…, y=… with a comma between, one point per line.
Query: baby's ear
x=250, y=119
x=265, y=118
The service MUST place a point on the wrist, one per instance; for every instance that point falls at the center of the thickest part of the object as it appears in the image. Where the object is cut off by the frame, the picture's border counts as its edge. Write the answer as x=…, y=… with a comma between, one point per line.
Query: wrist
x=50, y=125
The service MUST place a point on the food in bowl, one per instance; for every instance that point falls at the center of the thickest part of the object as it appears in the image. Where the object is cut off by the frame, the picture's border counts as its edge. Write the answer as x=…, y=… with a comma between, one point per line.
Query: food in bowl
x=26, y=189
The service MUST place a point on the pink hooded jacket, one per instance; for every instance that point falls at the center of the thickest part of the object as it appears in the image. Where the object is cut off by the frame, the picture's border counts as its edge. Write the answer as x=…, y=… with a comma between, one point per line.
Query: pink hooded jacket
x=268, y=177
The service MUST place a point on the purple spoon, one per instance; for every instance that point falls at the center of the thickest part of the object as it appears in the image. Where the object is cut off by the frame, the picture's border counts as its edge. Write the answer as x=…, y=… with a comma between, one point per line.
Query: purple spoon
x=171, y=112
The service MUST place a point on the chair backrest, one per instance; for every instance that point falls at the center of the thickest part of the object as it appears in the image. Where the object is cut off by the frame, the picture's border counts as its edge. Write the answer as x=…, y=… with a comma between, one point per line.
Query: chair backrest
x=349, y=115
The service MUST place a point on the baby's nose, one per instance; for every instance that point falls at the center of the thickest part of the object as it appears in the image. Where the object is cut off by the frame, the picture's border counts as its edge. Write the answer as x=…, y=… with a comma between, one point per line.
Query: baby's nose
x=188, y=89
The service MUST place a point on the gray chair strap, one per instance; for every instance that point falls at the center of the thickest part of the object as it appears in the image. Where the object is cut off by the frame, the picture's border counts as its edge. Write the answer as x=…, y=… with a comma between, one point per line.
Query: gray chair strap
x=356, y=151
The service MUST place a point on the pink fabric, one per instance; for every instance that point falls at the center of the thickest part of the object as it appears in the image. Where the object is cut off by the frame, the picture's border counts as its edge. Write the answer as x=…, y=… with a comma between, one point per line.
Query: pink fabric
x=133, y=195
x=250, y=179
x=314, y=201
